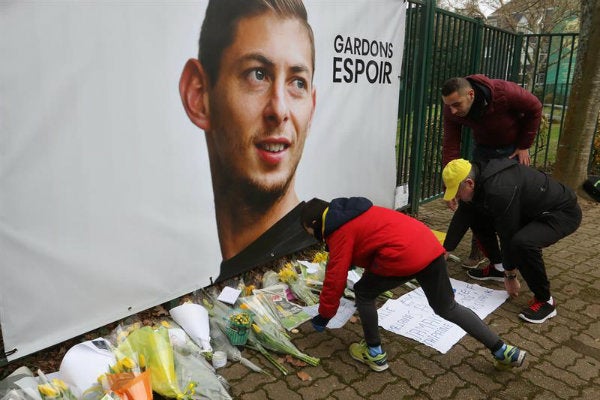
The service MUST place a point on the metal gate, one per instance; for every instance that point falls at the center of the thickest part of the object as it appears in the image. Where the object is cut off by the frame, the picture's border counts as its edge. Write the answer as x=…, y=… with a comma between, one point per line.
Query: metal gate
x=440, y=45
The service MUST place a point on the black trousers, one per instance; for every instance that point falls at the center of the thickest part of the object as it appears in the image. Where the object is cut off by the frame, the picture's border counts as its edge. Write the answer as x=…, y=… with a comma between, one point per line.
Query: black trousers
x=436, y=285
x=525, y=247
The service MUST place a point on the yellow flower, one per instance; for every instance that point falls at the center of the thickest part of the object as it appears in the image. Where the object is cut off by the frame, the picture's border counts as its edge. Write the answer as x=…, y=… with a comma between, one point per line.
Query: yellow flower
x=127, y=363
x=287, y=273
x=166, y=324
x=248, y=290
x=256, y=328
x=142, y=361
x=320, y=257
x=59, y=384
x=47, y=390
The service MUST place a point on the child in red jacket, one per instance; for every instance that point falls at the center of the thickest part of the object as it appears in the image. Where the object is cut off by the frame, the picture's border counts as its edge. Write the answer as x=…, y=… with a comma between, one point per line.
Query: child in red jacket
x=392, y=248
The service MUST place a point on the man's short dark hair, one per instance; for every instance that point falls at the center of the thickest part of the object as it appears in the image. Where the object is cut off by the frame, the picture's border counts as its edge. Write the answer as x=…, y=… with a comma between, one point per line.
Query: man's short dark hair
x=456, y=84
x=221, y=22
x=312, y=214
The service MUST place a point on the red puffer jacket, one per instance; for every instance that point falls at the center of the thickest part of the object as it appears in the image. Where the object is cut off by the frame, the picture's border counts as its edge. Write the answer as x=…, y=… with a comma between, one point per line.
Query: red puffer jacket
x=380, y=240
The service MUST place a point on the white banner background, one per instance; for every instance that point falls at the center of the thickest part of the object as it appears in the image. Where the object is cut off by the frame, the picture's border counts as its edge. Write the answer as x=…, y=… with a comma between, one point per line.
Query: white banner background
x=106, y=203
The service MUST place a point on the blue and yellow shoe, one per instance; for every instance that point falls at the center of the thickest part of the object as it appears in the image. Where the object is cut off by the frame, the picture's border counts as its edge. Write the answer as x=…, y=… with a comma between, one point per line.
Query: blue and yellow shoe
x=360, y=352
x=511, y=357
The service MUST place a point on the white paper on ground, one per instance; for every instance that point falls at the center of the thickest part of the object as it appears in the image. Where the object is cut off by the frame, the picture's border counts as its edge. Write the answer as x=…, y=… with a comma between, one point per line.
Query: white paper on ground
x=411, y=316
x=344, y=312
x=84, y=363
x=229, y=295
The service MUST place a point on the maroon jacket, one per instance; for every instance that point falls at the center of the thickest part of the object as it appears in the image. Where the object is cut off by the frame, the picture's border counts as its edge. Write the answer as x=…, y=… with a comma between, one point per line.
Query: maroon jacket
x=382, y=241
x=512, y=117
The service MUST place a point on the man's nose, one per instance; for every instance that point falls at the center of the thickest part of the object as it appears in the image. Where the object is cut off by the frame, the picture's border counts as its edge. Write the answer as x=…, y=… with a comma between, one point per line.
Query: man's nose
x=277, y=109
x=453, y=110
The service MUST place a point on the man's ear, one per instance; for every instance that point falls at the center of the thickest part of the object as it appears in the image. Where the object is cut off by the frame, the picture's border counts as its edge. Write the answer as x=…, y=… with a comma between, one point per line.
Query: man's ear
x=193, y=89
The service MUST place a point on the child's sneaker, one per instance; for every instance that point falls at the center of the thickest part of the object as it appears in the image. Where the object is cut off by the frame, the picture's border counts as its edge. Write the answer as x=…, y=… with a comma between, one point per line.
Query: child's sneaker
x=488, y=273
x=511, y=357
x=360, y=352
x=538, y=311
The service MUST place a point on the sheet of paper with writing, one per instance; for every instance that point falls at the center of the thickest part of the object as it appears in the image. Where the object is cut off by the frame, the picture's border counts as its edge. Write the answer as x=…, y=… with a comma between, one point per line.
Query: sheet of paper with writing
x=411, y=316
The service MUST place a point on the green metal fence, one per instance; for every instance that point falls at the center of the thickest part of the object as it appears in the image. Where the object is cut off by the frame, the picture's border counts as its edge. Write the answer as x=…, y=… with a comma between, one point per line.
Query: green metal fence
x=439, y=45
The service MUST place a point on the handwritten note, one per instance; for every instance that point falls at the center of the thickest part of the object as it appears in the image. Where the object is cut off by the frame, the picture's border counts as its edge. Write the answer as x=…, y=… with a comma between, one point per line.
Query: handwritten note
x=411, y=316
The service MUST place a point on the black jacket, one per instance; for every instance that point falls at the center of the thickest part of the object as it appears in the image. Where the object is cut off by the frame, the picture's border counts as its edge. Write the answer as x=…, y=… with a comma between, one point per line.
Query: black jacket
x=509, y=195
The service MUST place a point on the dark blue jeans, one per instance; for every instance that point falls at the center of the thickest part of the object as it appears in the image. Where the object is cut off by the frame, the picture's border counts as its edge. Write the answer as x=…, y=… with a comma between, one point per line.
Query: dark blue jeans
x=435, y=282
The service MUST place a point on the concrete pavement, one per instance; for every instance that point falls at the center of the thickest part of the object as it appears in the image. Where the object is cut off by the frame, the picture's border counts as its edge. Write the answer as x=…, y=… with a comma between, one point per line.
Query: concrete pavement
x=563, y=359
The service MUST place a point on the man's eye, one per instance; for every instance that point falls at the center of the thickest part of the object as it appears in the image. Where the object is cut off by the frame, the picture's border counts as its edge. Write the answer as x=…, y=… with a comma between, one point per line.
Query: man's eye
x=300, y=83
x=259, y=74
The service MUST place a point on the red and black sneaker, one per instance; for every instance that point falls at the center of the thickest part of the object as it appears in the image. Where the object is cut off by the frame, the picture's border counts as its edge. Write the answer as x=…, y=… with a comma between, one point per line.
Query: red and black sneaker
x=538, y=311
x=489, y=273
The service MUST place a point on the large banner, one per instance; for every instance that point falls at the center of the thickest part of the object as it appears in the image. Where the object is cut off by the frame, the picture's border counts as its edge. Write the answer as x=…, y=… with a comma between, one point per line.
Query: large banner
x=138, y=163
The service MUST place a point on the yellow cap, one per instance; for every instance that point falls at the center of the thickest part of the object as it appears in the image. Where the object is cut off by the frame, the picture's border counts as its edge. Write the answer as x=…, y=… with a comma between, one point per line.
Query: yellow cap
x=453, y=174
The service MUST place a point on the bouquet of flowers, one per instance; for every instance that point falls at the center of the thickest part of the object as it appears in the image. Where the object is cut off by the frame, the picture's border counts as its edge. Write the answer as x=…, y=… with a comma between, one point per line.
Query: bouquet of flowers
x=297, y=284
x=238, y=326
x=269, y=331
x=273, y=339
x=219, y=314
x=54, y=389
x=127, y=380
x=153, y=348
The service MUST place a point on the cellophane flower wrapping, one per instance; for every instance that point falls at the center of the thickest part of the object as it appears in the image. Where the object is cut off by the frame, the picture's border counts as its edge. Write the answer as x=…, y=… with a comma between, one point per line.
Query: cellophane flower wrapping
x=269, y=331
x=219, y=314
x=263, y=314
x=290, y=315
x=20, y=385
x=54, y=389
x=130, y=385
x=196, y=378
x=154, y=347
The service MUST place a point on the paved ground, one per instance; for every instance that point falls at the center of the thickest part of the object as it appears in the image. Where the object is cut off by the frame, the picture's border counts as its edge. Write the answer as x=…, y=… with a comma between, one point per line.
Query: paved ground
x=563, y=360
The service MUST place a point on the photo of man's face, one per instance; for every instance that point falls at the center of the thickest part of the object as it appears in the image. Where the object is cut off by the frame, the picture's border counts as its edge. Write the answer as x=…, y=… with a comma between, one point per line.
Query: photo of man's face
x=261, y=105
x=251, y=92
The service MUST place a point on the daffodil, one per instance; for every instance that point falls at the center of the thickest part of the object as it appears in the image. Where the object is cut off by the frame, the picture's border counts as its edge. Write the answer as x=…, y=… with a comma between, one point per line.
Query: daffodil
x=321, y=256
x=48, y=391
x=126, y=364
x=288, y=273
x=59, y=384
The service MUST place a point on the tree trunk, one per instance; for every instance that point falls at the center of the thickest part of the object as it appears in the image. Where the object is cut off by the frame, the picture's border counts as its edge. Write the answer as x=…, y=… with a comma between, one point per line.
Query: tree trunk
x=575, y=143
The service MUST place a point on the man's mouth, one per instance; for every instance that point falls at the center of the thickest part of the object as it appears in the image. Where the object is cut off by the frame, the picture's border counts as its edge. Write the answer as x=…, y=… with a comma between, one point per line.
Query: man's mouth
x=273, y=147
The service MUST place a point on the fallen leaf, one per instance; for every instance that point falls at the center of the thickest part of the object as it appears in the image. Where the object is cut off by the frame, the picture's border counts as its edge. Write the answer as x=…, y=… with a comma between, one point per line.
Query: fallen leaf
x=304, y=376
x=294, y=361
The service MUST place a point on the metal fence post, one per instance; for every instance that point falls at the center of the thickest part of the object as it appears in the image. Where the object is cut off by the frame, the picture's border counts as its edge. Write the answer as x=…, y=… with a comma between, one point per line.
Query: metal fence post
x=516, y=61
x=422, y=72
